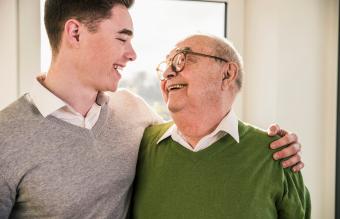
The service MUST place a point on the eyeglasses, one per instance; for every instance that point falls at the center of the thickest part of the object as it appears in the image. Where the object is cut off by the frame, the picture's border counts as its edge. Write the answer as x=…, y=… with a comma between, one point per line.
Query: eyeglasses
x=177, y=62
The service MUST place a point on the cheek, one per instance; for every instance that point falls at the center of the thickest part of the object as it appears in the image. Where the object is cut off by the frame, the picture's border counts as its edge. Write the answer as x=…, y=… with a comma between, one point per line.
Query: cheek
x=101, y=47
x=205, y=90
x=162, y=85
x=163, y=89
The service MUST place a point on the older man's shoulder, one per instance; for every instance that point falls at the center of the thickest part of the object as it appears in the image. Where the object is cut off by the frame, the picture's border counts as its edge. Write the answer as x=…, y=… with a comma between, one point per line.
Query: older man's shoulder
x=254, y=134
x=155, y=132
x=158, y=129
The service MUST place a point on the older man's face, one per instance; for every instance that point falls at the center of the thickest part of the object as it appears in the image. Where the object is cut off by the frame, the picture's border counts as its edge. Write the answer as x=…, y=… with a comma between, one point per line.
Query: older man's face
x=198, y=87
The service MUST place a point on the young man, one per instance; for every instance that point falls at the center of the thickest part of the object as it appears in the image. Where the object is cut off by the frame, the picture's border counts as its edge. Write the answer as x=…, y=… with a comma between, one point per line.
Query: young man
x=67, y=150
x=207, y=163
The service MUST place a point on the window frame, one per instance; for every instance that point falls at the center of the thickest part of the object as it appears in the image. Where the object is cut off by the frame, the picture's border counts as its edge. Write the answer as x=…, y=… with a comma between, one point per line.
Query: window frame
x=337, y=159
x=225, y=12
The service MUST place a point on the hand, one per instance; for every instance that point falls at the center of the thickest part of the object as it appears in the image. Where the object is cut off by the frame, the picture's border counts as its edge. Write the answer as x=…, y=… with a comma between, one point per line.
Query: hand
x=292, y=151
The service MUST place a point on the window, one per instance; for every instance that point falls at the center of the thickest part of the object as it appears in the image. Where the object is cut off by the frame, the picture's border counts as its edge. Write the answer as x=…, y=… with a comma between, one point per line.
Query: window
x=158, y=25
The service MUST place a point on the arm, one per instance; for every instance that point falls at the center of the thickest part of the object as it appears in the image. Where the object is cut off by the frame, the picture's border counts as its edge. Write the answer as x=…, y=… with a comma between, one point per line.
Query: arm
x=295, y=202
x=138, y=104
x=291, y=151
x=7, y=198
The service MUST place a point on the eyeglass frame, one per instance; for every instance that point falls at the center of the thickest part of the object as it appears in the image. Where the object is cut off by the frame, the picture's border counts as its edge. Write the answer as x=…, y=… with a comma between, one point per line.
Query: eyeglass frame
x=185, y=51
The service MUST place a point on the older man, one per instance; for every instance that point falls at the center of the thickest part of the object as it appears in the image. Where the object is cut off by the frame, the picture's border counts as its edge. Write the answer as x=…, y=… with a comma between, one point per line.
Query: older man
x=207, y=163
x=67, y=150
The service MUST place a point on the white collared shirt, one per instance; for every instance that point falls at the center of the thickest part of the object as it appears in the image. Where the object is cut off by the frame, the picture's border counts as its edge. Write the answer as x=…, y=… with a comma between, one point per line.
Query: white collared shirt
x=49, y=104
x=229, y=124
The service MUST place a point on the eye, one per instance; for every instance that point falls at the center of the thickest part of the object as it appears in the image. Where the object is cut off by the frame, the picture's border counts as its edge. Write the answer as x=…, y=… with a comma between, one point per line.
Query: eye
x=121, y=39
x=191, y=59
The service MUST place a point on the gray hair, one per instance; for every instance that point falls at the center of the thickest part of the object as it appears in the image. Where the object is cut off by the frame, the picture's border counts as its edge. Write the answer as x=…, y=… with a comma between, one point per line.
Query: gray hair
x=225, y=49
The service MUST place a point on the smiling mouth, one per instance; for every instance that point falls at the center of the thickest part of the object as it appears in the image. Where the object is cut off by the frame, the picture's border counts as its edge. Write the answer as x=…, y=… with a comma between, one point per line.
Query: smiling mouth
x=176, y=87
x=117, y=67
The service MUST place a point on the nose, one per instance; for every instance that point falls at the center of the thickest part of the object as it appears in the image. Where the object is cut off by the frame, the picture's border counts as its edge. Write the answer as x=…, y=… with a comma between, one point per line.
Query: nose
x=130, y=53
x=169, y=73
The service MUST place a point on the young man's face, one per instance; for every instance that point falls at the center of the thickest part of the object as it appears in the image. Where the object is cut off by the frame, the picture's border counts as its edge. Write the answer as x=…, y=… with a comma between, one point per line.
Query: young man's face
x=106, y=51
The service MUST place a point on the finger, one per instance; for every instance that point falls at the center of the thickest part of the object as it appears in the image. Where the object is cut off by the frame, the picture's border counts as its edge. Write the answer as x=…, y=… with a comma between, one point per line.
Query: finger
x=285, y=140
x=292, y=149
x=273, y=129
x=282, y=132
x=298, y=167
x=293, y=160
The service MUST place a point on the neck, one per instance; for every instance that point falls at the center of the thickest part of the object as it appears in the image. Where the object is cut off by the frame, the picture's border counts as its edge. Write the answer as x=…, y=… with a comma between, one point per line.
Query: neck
x=62, y=81
x=195, y=125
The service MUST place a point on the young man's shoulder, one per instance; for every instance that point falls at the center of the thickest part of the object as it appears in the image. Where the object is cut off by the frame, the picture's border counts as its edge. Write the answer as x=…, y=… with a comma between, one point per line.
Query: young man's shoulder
x=18, y=119
x=20, y=111
x=125, y=102
x=125, y=97
x=132, y=108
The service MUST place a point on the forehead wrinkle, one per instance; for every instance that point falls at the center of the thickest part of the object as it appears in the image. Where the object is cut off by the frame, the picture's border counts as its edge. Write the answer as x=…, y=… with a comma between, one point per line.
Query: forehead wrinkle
x=200, y=44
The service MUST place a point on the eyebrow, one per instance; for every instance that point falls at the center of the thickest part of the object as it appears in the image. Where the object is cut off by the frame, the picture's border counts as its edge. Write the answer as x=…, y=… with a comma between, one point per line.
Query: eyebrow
x=177, y=49
x=183, y=48
x=126, y=32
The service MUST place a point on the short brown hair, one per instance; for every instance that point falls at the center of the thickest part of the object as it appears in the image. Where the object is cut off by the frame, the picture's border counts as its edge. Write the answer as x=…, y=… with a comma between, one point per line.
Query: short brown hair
x=88, y=12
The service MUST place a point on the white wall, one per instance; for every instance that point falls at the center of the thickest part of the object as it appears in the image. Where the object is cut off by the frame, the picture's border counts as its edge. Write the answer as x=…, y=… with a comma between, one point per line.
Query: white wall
x=329, y=111
x=235, y=32
x=29, y=43
x=8, y=52
x=20, y=47
x=291, y=67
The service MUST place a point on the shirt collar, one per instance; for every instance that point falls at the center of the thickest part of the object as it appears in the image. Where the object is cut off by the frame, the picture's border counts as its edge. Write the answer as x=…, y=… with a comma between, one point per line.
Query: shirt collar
x=228, y=124
x=47, y=102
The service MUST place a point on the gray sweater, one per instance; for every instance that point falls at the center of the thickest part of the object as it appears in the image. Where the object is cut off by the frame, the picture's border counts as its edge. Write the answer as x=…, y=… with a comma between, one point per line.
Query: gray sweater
x=52, y=169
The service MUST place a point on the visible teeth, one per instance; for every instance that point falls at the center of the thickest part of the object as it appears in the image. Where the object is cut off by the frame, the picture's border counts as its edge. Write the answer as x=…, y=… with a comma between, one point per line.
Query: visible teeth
x=117, y=67
x=175, y=86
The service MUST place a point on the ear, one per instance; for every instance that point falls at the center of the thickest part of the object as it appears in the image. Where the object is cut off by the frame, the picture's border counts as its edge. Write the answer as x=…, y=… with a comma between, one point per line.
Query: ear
x=72, y=32
x=230, y=73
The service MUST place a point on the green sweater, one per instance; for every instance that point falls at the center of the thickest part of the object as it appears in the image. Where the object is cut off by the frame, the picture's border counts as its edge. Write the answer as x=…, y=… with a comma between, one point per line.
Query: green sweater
x=225, y=180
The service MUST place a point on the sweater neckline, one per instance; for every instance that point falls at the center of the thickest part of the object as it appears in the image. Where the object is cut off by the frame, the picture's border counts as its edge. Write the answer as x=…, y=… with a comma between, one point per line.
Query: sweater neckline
x=214, y=148
x=95, y=130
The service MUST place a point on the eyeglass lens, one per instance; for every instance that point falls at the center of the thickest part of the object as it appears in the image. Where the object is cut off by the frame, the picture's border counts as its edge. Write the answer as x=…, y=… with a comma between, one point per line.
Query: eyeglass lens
x=178, y=62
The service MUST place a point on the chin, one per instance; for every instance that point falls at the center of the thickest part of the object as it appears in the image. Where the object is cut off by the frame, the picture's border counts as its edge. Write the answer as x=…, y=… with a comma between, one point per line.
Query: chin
x=113, y=89
x=109, y=87
x=174, y=108
x=113, y=86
